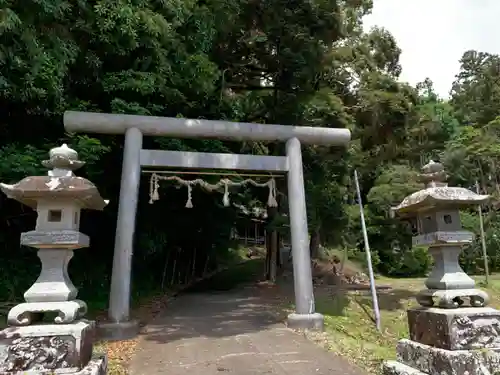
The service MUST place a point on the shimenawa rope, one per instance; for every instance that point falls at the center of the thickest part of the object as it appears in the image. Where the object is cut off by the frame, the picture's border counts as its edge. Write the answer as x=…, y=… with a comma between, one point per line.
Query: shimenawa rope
x=154, y=184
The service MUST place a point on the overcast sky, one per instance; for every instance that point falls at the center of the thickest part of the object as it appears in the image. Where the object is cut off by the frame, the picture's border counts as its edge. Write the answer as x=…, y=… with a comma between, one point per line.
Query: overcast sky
x=433, y=34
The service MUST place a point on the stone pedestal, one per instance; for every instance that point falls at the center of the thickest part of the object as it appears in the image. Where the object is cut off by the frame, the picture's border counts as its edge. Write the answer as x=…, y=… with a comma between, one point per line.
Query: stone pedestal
x=455, y=329
x=462, y=341
x=51, y=349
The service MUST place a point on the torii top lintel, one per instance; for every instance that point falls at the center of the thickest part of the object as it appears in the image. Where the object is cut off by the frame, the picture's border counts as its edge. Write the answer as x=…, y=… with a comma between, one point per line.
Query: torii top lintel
x=107, y=123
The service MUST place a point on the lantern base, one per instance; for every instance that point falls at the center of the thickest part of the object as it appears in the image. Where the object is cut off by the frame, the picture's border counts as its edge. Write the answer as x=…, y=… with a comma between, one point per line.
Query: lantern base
x=51, y=349
x=452, y=298
x=24, y=314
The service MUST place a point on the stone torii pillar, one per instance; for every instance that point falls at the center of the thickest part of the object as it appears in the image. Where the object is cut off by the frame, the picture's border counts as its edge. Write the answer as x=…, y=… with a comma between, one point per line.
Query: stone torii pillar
x=135, y=127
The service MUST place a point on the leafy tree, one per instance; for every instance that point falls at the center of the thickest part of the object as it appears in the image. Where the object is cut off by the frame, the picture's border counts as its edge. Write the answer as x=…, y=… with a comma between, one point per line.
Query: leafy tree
x=476, y=92
x=297, y=63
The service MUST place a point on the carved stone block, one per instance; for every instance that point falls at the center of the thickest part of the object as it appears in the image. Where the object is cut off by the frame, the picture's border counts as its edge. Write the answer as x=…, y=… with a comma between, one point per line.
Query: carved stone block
x=455, y=329
x=435, y=361
x=45, y=348
x=98, y=365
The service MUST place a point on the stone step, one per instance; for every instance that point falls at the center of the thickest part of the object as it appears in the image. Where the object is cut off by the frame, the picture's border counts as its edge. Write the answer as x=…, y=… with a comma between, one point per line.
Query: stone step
x=398, y=368
x=436, y=361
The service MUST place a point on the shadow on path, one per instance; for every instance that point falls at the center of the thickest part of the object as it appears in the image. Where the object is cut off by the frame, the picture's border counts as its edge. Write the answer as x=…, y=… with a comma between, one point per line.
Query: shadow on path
x=210, y=315
x=232, y=332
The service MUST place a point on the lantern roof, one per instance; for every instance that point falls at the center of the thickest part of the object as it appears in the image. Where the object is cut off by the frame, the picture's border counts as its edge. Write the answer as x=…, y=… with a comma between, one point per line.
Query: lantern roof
x=61, y=183
x=437, y=194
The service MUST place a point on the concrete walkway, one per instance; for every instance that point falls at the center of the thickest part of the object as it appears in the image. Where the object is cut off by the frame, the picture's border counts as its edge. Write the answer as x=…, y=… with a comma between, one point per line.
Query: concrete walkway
x=229, y=333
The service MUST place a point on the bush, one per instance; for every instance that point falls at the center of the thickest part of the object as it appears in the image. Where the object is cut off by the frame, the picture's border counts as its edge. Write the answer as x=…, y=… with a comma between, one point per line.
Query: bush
x=413, y=262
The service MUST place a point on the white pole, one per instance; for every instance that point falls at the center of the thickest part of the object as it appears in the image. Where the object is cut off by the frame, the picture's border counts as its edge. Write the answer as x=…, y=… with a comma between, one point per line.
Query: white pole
x=483, y=241
x=368, y=254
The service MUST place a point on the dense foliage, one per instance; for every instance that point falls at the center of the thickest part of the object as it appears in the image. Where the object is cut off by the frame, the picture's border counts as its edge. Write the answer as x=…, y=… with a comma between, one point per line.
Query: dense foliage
x=268, y=61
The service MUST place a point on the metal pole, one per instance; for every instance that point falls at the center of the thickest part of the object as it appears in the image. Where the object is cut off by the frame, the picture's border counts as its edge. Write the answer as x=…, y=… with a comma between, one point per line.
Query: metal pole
x=483, y=241
x=368, y=254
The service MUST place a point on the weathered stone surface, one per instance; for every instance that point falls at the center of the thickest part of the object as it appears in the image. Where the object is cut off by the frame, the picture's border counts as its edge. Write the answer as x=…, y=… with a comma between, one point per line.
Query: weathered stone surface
x=98, y=365
x=397, y=368
x=415, y=356
x=46, y=347
x=435, y=361
x=455, y=329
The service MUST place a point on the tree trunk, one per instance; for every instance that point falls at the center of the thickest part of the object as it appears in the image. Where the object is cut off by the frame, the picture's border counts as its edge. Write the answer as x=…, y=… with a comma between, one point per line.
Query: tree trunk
x=268, y=254
x=279, y=260
x=271, y=245
x=314, y=243
x=274, y=256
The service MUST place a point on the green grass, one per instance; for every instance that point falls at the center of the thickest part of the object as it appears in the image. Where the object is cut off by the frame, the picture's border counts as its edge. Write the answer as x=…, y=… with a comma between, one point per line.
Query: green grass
x=351, y=332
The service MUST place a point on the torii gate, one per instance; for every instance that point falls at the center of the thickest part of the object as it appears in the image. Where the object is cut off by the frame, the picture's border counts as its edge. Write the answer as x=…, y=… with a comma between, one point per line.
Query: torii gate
x=134, y=157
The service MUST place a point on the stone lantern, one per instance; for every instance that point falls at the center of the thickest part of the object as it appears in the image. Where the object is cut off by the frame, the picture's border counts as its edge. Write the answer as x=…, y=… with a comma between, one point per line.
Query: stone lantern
x=452, y=321
x=29, y=346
